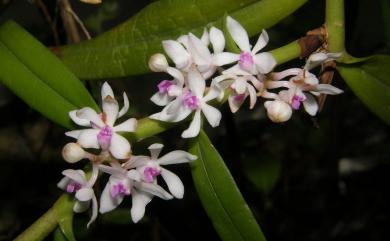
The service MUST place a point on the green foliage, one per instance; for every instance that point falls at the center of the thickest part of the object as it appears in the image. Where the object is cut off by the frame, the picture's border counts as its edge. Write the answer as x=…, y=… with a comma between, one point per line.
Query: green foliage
x=64, y=213
x=369, y=80
x=33, y=73
x=219, y=194
x=126, y=49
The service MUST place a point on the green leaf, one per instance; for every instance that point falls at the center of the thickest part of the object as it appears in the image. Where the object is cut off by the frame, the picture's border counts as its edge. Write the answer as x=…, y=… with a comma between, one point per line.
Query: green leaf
x=219, y=194
x=58, y=235
x=125, y=50
x=370, y=81
x=38, y=77
x=64, y=214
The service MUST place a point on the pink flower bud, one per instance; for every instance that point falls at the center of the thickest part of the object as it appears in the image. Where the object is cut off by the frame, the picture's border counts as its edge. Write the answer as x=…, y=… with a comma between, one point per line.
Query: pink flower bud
x=278, y=111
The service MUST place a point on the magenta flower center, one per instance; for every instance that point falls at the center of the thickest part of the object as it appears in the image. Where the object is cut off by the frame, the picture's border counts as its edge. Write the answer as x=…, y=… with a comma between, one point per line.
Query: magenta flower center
x=239, y=98
x=296, y=101
x=163, y=86
x=190, y=100
x=73, y=187
x=104, y=137
x=150, y=173
x=246, y=61
x=119, y=189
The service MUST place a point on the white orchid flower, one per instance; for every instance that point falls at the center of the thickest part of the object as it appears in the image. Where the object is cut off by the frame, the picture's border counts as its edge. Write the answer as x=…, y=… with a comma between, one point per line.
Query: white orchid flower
x=301, y=82
x=103, y=133
x=250, y=61
x=151, y=167
x=124, y=182
x=76, y=182
x=241, y=86
x=206, y=61
x=193, y=99
x=169, y=89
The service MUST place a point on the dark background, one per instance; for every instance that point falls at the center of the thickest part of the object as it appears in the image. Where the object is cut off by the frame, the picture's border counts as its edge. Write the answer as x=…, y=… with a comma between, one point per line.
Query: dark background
x=323, y=178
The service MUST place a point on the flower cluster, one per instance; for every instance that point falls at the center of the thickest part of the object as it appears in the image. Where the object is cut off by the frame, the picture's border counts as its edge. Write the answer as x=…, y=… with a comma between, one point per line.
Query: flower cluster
x=130, y=175
x=234, y=77
x=248, y=75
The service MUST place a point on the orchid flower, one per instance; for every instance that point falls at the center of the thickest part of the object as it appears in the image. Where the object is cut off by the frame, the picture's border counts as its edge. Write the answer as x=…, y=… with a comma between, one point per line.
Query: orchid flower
x=301, y=82
x=241, y=87
x=193, y=99
x=103, y=133
x=124, y=182
x=151, y=167
x=250, y=61
x=169, y=89
x=206, y=61
x=76, y=182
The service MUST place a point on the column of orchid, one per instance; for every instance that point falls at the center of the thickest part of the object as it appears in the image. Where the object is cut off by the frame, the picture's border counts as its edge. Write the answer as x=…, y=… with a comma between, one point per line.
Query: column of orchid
x=199, y=76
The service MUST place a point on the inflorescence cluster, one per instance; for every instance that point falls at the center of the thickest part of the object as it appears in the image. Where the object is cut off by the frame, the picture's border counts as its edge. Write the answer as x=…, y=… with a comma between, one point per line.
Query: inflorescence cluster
x=186, y=94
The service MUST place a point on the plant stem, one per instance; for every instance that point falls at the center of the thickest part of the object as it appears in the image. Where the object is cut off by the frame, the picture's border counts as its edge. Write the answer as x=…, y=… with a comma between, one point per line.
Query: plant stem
x=287, y=52
x=335, y=25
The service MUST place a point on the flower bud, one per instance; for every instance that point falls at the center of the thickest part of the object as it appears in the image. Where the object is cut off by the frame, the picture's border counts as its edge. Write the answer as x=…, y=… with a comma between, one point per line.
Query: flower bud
x=278, y=111
x=158, y=63
x=72, y=152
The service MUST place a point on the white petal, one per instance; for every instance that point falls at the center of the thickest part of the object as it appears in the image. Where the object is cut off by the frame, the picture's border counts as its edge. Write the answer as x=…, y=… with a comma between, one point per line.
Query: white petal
x=217, y=40
x=175, y=185
x=194, y=128
x=328, y=89
x=183, y=39
x=63, y=183
x=212, y=114
x=310, y=105
x=125, y=107
x=224, y=58
x=213, y=92
x=111, y=109
x=160, y=99
x=94, y=211
x=74, y=134
x=179, y=115
x=91, y=115
x=84, y=194
x=199, y=51
x=113, y=171
x=196, y=82
x=134, y=175
x=239, y=86
x=235, y=70
x=176, y=157
x=205, y=37
x=265, y=62
x=80, y=207
x=120, y=147
x=77, y=120
x=88, y=138
x=261, y=42
x=140, y=200
x=75, y=175
x=106, y=91
x=176, y=74
x=154, y=189
x=177, y=53
x=314, y=60
x=285, y=73
x=238, y=33
x=128, y=126
x=136, y=161
x=234, y=104
x=155, y=150
x=107, y=202
x=252, y=96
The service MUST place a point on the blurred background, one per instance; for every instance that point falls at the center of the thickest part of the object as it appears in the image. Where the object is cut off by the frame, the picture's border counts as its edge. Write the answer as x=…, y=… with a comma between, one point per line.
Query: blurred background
x=322, y=178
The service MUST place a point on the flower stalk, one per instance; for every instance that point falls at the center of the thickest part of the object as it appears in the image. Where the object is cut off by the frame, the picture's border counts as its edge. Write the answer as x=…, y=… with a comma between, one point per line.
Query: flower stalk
x=335, y=25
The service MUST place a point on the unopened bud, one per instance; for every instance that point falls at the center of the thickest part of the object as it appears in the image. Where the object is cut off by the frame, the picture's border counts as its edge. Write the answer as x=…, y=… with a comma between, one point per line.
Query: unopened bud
x=158, y=63
x=278, y=111
x=72, y=152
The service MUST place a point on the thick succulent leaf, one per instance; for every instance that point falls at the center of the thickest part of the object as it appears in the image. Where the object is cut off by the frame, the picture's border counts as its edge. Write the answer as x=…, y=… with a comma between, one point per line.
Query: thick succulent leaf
x=126, y=49
x=38, y=77
x=219, y=194
x=64, y=214
x=370, y=81
x=58, y=235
